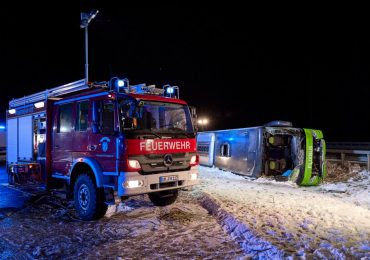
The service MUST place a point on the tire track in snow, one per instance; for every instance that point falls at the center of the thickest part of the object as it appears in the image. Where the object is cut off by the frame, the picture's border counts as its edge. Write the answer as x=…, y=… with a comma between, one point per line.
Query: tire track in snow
x=251, y=244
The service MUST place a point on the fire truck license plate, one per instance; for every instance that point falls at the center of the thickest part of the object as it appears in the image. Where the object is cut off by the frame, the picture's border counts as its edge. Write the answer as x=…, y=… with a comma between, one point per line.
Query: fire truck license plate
x=168, y=178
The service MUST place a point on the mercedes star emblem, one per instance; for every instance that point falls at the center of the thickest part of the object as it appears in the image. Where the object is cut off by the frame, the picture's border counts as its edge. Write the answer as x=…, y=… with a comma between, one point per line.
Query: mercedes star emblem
x=167, y=160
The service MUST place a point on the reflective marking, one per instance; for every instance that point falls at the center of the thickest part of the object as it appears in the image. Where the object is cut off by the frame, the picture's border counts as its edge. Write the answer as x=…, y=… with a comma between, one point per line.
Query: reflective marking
x=64, y=177
x=110, y=173
x=105, y=155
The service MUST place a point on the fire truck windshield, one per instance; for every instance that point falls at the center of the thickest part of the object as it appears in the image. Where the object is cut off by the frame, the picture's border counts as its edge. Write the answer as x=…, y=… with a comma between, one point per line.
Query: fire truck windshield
x=156, y=117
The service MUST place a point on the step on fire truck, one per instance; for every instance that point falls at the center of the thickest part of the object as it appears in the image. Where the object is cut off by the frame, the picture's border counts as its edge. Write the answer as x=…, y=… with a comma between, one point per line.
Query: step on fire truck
x=102, y=140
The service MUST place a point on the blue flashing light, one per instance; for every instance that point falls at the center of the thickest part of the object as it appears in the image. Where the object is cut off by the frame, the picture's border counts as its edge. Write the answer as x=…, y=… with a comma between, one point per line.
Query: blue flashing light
x=2, y=127
x=120, y=83
x=170, y=90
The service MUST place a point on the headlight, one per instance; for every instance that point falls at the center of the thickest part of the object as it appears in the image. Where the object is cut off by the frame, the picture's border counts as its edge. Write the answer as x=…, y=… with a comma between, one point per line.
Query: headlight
x=194, y=160
x=134, y=164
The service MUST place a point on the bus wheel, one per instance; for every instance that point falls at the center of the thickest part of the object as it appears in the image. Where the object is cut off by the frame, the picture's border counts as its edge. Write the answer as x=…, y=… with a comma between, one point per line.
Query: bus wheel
x=163, y=198
x=89, y=200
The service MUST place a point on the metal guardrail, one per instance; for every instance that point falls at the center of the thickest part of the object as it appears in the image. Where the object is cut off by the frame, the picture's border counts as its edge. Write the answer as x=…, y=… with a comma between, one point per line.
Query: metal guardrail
x=349, y=145
x=348, y=152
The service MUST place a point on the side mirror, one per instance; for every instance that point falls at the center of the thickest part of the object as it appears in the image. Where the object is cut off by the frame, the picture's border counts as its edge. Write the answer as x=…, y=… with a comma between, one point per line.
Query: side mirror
x=128, y=122
x=194, y=117
x=196, y=129
x=193, y=111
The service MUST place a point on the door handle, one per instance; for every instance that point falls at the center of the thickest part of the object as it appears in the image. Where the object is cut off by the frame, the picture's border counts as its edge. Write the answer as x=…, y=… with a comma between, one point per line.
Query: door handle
x=91, y=147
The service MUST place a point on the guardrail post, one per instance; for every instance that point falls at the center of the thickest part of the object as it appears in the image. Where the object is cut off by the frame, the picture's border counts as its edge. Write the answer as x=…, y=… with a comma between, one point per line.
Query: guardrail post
x=342, y=155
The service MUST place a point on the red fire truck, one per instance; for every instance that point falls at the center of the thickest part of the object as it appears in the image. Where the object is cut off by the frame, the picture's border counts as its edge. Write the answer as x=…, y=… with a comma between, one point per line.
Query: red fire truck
x=101, y=140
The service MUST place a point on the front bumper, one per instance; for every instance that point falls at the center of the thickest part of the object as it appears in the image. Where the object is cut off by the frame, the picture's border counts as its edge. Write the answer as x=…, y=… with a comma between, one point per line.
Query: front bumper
x=152, y=182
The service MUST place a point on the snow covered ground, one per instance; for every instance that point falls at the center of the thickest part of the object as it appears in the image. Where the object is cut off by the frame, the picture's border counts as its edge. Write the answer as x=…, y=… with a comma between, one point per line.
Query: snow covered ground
x=280, y=219
x=351, y=185
x=48, y=229
x=226, y=216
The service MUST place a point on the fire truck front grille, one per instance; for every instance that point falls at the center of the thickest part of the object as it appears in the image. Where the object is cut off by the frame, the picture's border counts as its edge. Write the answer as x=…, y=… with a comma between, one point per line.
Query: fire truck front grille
x=154, y=163
x=160, y=156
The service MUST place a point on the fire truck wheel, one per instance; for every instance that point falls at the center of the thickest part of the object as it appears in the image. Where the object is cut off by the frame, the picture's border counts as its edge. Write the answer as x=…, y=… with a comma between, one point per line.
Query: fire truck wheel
x=89, y=200
x=11, y=178
x=163, y=198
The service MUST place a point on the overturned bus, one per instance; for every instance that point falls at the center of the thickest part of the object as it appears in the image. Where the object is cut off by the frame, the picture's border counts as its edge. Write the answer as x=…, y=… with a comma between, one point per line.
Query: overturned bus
x=276, y=149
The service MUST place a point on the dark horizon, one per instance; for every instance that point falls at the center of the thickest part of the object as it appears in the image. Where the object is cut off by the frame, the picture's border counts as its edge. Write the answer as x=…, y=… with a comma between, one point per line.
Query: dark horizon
x=236, y=69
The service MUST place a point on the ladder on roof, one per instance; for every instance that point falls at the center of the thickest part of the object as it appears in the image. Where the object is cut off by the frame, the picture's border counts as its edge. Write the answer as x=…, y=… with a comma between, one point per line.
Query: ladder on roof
x=54, y=92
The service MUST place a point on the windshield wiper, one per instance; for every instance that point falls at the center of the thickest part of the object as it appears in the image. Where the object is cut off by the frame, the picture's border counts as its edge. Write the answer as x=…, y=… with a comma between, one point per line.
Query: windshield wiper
x=186, y=134
x=163, y=126
x=179, y=131
x=157, y=135
x=151, y=132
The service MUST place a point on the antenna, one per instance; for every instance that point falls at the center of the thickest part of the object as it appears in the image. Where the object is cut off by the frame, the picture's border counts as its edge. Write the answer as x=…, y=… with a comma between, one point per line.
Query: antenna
x=85, y=20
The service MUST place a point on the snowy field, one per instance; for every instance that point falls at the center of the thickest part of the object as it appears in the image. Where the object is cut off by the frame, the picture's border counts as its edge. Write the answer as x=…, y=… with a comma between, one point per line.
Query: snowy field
x=48, y=229
x=226, y=216
x=280, y=219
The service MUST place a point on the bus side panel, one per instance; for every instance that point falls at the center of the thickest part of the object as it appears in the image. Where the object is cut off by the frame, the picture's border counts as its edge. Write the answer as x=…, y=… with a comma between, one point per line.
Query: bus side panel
x=239, y=151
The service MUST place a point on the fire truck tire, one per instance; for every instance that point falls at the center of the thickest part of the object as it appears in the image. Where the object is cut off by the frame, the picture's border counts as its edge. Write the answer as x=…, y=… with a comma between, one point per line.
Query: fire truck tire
x=163, y=198
x=11, y=178
x=88, y=199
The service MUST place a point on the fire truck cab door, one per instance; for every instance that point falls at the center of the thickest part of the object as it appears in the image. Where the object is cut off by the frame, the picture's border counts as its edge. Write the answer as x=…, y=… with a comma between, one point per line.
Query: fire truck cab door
x=104, y=140
x=63, y=131
x=81, y=145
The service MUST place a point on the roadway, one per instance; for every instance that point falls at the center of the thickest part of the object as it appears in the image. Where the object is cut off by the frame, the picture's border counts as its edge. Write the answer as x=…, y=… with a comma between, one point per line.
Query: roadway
x=10, y=198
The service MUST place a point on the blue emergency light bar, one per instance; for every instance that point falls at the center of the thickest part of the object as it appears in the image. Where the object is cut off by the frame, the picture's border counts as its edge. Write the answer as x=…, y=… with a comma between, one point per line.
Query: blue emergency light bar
x=121, y=85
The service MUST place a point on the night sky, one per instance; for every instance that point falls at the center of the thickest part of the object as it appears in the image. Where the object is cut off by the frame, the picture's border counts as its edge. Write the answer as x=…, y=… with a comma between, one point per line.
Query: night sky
x=240, y=67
